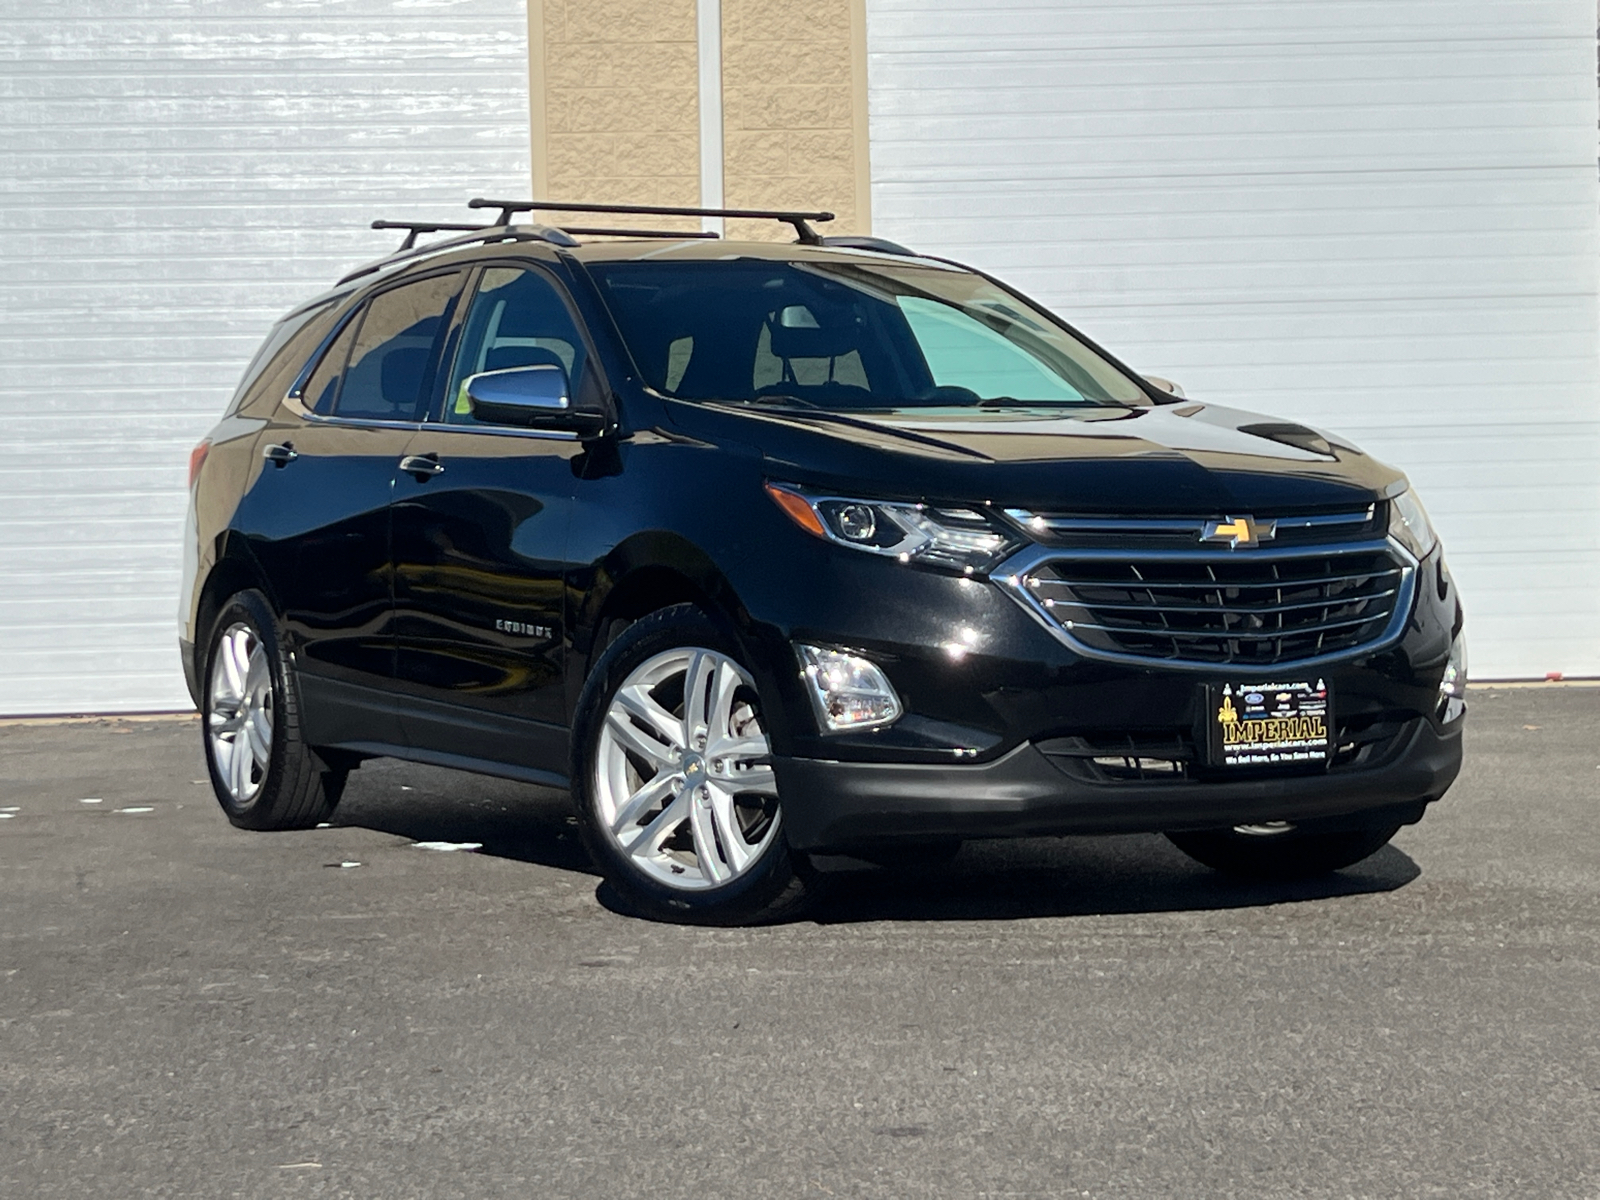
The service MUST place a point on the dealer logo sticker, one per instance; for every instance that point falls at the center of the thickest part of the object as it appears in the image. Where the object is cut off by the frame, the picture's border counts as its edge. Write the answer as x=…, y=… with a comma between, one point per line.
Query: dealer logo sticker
x=1283, y=723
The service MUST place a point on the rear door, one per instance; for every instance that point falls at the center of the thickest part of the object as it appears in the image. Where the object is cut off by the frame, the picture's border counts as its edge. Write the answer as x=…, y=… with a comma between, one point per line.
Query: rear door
x=317, y=516
x=480, y=531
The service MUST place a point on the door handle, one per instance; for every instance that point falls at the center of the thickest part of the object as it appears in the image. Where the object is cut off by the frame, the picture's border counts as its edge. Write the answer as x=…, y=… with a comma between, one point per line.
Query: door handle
x=423, y=466
x=281, y=455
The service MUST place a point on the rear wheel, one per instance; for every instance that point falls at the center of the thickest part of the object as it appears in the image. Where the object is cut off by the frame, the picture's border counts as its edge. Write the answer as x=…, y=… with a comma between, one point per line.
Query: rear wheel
x=1279, y=850
x=673, y=778
x=263, y=773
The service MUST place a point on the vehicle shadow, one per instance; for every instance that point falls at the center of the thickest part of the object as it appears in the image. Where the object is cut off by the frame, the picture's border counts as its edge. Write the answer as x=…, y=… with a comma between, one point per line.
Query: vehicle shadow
x=429, y=804
x=987, y=881
x=1082, y=876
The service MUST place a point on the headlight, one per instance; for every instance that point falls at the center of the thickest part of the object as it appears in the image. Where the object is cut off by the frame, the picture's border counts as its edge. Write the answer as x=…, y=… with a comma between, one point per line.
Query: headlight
x=960, y=539
x=1409, y=525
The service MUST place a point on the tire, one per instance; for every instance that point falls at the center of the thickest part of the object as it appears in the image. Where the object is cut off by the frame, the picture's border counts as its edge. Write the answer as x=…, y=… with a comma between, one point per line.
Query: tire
x=264, y=775
x=1281, y=851
x=680, y=812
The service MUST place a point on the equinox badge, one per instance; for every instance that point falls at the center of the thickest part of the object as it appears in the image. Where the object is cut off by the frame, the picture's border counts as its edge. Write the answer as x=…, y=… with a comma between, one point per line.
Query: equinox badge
x=1239, y=532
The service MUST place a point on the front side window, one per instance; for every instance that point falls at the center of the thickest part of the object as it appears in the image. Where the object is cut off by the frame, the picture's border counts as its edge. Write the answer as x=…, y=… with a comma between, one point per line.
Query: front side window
x=517, y=319
x=385, y=375
x=849, y=335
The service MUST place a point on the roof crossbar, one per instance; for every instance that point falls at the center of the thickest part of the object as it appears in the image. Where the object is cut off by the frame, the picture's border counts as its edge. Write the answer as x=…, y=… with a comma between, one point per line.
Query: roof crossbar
x=800, y=220
x=417, y=227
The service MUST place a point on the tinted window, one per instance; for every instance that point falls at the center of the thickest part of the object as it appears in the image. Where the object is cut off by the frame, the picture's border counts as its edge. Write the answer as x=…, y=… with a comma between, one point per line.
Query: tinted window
x=390, y=364
x=277, y=346
x=320, y=390
x=849, y=335
x=517, y=319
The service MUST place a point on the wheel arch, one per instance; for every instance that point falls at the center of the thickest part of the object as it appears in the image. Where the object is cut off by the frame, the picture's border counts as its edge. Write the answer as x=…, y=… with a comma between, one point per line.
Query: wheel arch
x=642, y=575
x=236, y=570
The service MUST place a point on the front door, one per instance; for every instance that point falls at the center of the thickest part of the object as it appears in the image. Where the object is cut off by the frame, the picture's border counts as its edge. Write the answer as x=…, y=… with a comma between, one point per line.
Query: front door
x=479, y=533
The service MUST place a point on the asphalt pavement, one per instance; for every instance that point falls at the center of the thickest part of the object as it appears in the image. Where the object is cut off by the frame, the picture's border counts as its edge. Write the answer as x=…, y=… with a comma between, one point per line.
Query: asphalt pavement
x=190, y=1010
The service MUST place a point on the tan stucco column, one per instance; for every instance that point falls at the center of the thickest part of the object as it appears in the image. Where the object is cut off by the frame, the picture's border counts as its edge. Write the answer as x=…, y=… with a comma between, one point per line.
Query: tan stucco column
x=614, y=90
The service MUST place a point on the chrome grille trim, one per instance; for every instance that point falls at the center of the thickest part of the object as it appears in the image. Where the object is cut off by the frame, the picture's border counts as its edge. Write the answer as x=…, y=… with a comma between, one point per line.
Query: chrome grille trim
x=1057, y=525
x=1378, y=595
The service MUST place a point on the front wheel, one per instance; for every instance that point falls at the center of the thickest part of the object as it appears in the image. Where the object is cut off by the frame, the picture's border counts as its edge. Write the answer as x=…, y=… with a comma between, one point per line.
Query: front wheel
x=673, y=781
x=1278, y=850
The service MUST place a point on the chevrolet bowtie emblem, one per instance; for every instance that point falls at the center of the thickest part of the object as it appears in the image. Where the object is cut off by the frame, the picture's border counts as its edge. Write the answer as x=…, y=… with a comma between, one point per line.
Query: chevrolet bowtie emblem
x=1239, y=532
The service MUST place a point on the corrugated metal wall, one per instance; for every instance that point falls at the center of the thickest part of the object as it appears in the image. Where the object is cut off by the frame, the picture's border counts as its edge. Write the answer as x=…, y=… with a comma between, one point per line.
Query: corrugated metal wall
x=1377, y=216
x=173, y=176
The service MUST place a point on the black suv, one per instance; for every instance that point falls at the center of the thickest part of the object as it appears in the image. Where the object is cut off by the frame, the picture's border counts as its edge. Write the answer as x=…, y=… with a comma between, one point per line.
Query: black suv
x=775, y=552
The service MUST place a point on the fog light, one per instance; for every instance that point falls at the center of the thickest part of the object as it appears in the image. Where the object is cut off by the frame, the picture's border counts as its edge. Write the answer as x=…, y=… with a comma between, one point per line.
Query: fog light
x=848, y=691
x=1453, y=686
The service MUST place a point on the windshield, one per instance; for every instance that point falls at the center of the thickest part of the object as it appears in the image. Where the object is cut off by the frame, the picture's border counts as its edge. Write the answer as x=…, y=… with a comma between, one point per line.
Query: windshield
x=848, y=336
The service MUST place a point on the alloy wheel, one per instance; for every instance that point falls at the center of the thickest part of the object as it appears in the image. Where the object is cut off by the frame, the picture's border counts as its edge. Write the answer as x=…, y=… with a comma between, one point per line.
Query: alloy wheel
x=239, y=722
x=683, y=777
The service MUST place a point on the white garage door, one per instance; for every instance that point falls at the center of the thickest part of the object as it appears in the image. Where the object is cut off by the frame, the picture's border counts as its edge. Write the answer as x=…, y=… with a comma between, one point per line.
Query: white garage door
x=173, y=176
x=1375, y=216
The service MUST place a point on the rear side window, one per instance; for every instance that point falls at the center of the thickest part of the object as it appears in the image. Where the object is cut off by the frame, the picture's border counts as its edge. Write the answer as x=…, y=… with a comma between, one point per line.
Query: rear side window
x=390, y=368
x=380, y=367
x=323, y=386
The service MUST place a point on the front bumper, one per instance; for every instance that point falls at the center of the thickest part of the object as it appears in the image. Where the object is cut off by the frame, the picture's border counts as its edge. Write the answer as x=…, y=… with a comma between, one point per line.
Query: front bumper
x=837, y=806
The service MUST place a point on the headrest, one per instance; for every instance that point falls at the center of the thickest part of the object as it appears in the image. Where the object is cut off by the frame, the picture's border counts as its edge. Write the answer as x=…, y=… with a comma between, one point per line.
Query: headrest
x=401, y=379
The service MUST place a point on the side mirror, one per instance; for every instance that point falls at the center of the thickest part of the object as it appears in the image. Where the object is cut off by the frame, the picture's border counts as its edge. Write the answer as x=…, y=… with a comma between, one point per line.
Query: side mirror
x=1165, y=385
x=529, y=396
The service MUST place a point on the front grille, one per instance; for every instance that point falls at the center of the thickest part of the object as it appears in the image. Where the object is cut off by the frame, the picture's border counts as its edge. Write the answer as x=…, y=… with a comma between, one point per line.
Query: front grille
x=1233, y=608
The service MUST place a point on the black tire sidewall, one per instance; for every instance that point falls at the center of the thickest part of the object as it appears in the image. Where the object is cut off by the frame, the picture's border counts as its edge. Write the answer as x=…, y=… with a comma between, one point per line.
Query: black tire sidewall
x=737, y=901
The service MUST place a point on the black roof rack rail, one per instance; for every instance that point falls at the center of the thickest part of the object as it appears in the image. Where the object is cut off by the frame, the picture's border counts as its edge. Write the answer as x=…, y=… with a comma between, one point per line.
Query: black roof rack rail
x=417, y=227
x=591, y=231
x=861, y=242
x=800, y=220
x=479, y=233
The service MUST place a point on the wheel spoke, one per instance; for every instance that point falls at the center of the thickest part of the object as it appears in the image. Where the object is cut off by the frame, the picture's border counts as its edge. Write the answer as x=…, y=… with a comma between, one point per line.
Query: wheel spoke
x=643, y=708
x=241, y=769
x=635, y=739
x=255, y=676
x=238, y=661
x=652, y=835
x=221, y=725
x=739, y=749
x=728, y=831
x=643, y=800
x=695, y=684
x=757, y=778
x=260, y=741
x=719, y=717
x=702, y=825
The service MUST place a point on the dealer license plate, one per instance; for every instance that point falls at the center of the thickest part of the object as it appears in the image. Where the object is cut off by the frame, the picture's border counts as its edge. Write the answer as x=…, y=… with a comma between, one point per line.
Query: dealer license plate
x=1271, y=723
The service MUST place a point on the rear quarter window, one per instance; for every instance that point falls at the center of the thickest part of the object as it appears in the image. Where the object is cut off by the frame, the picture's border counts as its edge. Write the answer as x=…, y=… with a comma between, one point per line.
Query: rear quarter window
x=273, y=369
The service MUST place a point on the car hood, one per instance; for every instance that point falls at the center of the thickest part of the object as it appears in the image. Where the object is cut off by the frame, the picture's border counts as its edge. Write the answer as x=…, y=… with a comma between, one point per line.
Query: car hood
x=1180, y=459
